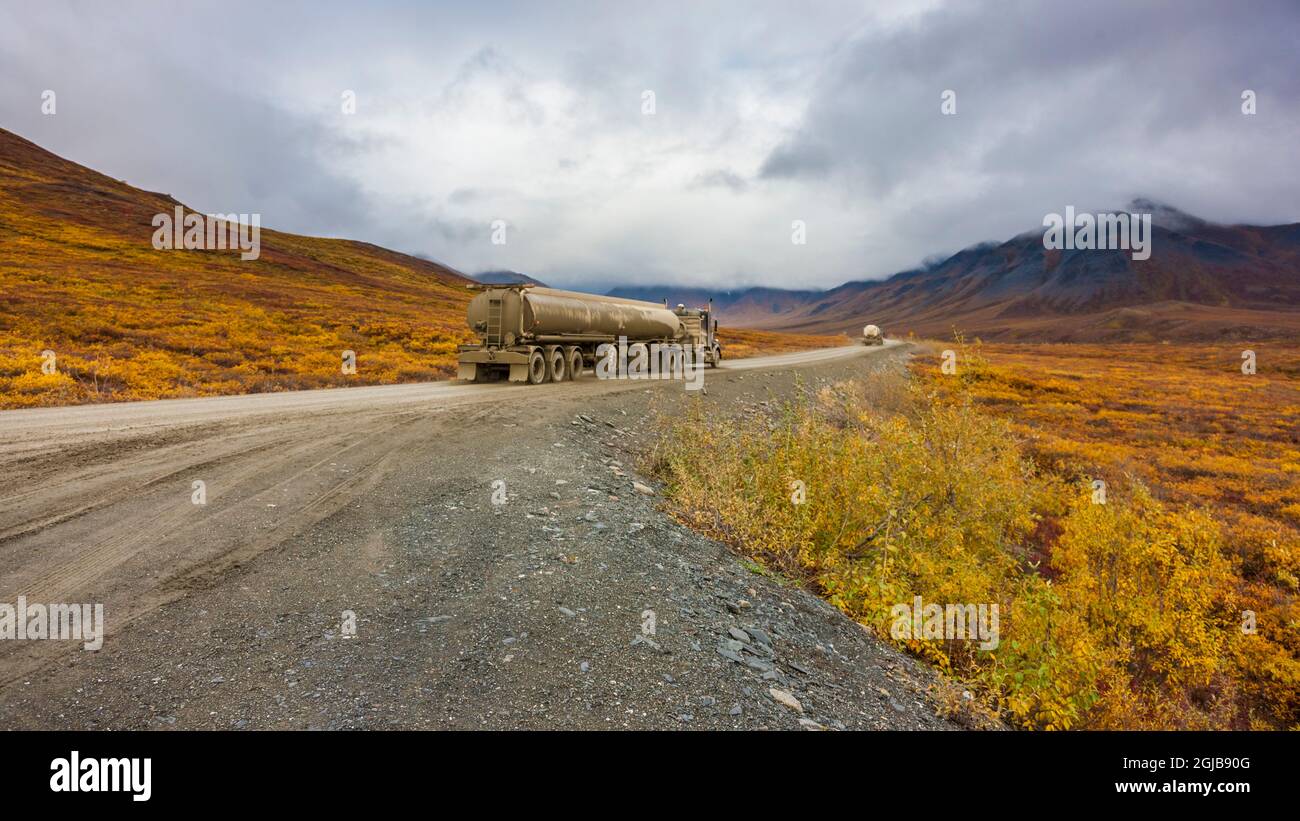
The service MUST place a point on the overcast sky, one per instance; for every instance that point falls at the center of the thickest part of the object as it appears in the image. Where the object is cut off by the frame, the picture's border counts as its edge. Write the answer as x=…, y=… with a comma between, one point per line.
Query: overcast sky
x=764, y=113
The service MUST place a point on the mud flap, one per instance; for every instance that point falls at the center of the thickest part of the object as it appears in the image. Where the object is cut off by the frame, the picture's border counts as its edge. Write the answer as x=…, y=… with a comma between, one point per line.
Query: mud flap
x=519, y=373
x=468, y=372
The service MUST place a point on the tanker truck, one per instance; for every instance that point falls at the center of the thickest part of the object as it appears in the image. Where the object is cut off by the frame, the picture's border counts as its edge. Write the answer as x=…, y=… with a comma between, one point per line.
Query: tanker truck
x=871, y=335
x=528, y=333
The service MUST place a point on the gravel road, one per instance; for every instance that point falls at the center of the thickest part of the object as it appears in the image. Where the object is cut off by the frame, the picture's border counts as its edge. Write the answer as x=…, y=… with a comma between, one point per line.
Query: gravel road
x=501, y=568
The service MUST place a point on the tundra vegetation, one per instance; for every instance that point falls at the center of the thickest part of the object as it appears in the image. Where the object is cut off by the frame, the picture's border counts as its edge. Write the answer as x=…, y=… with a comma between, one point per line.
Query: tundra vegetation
x=157, y=339
x=1122, y=609
x=127, y=322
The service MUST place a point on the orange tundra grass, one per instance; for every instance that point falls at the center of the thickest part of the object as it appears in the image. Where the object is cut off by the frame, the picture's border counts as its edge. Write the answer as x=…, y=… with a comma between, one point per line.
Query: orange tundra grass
x=979, y=488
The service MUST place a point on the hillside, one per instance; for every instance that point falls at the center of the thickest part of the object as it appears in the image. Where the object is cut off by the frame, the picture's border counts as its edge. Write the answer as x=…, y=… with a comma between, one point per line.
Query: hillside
x=507, y=278
x=80, y=277
x=1203, y=281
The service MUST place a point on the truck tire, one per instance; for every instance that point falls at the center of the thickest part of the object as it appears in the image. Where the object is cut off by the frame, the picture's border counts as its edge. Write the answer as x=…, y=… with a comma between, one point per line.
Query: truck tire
x=536, y=367
x=717, y=355
x=556, y=368
x=575, y=363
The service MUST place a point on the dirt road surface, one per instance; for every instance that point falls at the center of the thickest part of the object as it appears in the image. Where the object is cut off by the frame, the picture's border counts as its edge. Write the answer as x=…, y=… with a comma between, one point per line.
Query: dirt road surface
x=570, y=600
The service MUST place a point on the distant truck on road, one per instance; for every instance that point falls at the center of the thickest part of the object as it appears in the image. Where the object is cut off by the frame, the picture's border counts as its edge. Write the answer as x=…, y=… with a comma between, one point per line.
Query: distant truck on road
x=533, y=334
x=872, y=335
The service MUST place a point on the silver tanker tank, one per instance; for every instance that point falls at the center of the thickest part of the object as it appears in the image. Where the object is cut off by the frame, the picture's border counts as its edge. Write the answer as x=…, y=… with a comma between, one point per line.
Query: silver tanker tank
x=544, y=314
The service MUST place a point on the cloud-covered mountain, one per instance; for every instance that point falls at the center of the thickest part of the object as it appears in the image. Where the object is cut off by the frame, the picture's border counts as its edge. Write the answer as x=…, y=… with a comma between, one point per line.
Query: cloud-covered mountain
x=749, y=307
x=1202, y=280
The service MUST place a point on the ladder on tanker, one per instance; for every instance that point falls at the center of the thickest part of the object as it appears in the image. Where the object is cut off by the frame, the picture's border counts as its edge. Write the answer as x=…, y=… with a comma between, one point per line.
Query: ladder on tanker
x=494, y=322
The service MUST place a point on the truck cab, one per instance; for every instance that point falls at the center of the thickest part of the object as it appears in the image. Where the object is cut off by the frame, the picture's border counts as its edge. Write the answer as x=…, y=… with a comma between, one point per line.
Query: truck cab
x=701, y=329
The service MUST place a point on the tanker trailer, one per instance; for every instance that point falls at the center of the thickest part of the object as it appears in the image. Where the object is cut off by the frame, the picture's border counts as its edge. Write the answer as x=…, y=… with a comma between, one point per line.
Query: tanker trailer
x=533, y=334
x=871, y=335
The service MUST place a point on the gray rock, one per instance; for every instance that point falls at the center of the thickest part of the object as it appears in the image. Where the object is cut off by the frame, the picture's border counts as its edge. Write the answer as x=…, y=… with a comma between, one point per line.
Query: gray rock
x=730, y=654
x=774, y=675
x=762, y=665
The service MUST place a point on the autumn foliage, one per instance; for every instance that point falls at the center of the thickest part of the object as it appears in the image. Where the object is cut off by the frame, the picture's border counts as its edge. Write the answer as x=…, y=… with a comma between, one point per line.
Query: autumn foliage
x=80, y=277
x=1124, y=610
x=738, y=343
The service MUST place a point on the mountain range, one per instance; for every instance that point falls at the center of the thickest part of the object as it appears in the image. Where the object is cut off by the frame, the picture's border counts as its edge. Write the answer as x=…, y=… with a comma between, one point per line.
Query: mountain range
x=1202, y=281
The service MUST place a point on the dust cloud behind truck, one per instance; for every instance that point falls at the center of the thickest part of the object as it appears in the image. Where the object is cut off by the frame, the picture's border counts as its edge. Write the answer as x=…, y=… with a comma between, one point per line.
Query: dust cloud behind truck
x=533, y=334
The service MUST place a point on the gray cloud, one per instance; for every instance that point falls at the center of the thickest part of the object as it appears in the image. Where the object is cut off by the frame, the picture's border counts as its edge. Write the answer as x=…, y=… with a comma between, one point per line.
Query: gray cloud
x=799, y=157
x=720, y=178
x=533, y=113
x=1064, y=103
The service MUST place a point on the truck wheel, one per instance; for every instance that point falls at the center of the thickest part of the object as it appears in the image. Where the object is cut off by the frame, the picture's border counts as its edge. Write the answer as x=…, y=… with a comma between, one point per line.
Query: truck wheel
x=575, y=363
x=536, y=368
x=555, y=365
x=717, y=355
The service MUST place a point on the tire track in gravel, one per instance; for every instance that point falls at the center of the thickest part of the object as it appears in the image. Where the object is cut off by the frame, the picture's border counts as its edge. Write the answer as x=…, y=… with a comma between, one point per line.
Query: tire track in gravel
x=320, y=506
x=120, y=475
x=171, y=520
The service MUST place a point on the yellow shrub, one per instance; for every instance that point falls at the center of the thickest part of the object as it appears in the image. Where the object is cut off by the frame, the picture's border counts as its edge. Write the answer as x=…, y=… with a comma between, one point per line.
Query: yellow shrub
x=1122, y=613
